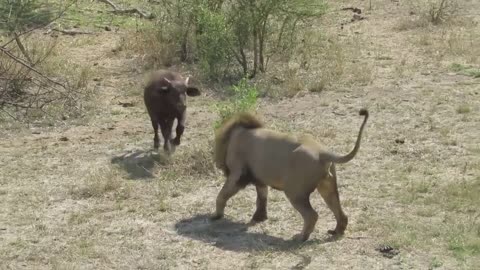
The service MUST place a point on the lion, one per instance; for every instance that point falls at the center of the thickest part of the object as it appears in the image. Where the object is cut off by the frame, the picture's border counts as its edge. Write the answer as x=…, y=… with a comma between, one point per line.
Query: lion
x=249, y=153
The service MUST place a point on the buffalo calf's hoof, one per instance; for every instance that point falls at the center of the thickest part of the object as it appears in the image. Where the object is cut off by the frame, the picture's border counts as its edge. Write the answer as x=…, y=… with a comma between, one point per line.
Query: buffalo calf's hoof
x=301, y=237
x=335, y=232
x=259, y=217
x=176, y=141
x=216, y=217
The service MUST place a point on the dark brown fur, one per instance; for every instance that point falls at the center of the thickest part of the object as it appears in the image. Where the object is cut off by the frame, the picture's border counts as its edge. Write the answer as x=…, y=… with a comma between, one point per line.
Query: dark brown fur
x=165, y=99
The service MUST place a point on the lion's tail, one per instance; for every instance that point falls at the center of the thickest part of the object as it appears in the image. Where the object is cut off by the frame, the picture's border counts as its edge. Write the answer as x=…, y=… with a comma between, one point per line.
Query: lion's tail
x=223, y=134
x=344, y=159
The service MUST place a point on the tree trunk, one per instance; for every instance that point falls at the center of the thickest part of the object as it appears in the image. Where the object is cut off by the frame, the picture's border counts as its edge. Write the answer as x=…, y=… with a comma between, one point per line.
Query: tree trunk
x=262, y=45
x=255, y=53
x=244, y=62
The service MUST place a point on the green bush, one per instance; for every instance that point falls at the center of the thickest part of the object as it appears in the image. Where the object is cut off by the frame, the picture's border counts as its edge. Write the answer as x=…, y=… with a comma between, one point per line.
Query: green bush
x=243, y=98
x=231, y=36
x=213, y=43
x=18, y=16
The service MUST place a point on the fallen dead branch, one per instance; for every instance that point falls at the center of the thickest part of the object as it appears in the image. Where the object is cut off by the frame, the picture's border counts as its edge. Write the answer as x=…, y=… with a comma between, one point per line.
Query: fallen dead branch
x=26, y=91
x=26, y=65
x=117, y=10
x=71, y=32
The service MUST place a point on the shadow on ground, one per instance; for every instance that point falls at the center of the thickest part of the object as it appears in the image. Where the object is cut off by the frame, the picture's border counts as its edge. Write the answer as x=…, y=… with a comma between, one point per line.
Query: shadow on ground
x=139, y=163
x=234, y=236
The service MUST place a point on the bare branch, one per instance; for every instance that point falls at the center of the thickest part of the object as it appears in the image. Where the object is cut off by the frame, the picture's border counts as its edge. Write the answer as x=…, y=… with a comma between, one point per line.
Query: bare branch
x=21, y=62
x=118, y=10
x=22, y=48
x=60, y=15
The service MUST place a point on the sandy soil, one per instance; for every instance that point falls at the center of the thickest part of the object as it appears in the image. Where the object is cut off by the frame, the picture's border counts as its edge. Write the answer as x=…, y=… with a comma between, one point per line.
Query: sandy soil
x=103, y=200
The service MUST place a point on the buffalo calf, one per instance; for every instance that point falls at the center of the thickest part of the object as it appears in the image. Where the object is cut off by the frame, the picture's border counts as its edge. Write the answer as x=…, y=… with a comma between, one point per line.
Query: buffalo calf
x=165, y=98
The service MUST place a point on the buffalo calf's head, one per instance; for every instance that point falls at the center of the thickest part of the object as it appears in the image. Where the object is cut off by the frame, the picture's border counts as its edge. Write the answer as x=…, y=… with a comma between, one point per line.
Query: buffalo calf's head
x=175, y=92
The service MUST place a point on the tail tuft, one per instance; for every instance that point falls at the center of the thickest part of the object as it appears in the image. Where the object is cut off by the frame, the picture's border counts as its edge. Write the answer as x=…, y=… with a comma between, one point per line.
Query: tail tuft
x=363, y=112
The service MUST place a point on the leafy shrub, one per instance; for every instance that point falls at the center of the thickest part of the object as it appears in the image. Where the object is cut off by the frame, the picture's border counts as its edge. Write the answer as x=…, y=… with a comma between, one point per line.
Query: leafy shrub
x=243, y=98
x=21, y=15
x=218, y=33
x=212, y=42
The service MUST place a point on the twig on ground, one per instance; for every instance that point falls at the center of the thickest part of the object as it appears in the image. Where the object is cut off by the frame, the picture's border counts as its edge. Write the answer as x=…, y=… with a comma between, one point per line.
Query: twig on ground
x=71, y=32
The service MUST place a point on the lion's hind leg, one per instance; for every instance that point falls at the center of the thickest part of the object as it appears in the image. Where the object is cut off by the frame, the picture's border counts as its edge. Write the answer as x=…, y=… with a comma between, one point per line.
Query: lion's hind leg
x=329, y=192
x=301, y=203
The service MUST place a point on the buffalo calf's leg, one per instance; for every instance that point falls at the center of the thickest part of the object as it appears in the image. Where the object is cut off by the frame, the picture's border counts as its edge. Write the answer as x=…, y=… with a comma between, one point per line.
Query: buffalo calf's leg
x=166, y=126
x=179, y=130
x=156, y=140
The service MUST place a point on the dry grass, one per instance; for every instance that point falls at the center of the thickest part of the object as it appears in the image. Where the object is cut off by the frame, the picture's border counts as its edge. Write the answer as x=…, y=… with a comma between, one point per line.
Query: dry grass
x=428, y=12
x=104, y=200
x=99, y=184
x=39, y=99
x=460, y=229
x=452, y=43
x=149, y=46
x=318, y=65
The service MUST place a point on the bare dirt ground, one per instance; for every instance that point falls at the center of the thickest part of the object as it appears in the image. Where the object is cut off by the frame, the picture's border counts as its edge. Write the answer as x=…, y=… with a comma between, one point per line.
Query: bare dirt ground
x=92, y=195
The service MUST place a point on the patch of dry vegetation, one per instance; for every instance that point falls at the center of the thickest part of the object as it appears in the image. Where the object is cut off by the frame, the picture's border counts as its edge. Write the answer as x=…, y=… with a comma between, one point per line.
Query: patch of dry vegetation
x=101, y=183
x=35, y=86
x=150, y=46
x=31, y=97
x=93, y=202
x=434, y=214
x=444, y=29
x=429, y=12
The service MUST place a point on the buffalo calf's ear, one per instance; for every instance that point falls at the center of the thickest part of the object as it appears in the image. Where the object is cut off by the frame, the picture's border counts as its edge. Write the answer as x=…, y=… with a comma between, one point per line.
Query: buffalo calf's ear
x=193, y=91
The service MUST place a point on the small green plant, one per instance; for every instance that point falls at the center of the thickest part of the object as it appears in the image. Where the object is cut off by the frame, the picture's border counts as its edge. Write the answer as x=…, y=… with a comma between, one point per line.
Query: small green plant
x=465, y=70
x=436, y=263
x=465, y=243
x=243, y=98
x=463, y=109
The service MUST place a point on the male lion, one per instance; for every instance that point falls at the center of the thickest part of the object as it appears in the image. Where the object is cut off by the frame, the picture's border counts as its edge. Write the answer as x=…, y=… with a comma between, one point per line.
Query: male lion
x=249, y=154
